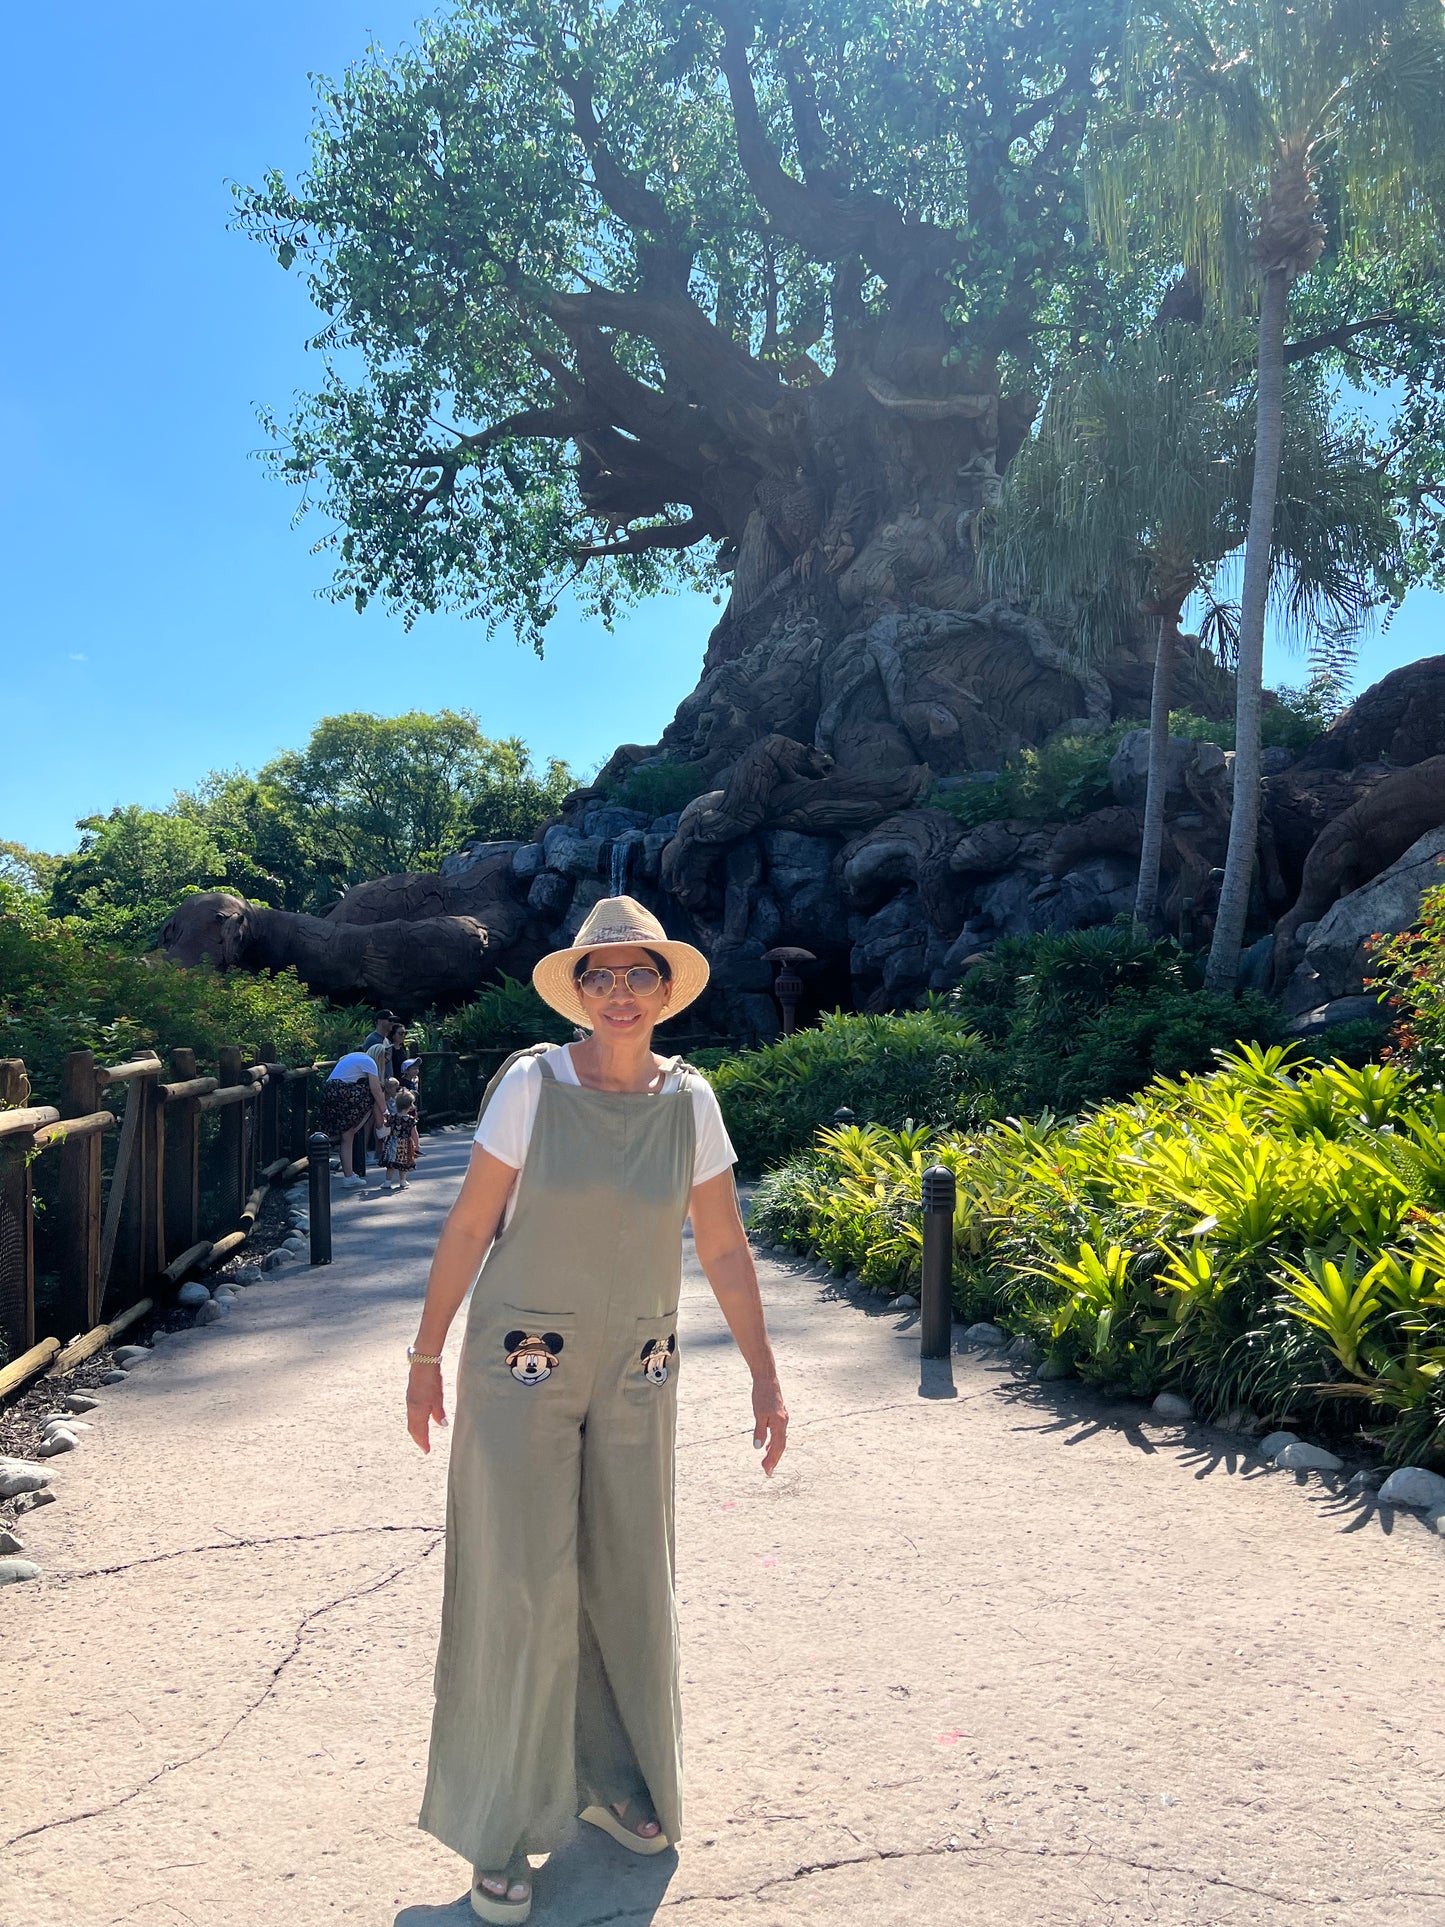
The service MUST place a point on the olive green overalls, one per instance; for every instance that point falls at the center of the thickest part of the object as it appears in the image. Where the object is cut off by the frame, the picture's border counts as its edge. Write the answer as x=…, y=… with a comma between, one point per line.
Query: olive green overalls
x=556, y=1679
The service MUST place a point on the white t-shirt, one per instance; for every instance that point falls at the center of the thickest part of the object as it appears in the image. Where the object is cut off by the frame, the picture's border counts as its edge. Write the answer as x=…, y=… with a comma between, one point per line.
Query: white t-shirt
x=353, y=1067
x=506, y=1126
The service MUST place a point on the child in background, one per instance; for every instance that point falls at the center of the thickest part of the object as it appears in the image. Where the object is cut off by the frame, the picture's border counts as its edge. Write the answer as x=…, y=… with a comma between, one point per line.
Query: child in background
x=391, y=1086
x=399, y=1152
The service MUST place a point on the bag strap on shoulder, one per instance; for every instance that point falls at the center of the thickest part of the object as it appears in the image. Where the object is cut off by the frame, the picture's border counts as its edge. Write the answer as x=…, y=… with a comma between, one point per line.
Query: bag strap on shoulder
x=529, y=1050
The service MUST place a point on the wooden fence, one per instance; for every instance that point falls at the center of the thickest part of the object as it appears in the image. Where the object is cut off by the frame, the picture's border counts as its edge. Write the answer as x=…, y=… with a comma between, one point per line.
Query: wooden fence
x=139, y=1175
x=146, y=1173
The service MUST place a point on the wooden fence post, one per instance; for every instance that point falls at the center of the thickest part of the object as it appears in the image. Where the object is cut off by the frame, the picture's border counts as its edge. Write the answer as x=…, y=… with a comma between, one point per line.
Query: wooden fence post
x=182, y=1129
x=264, y=1132
x=139, y=1251
x=77, y=1240
x=233, y=1135
x=17, y=1219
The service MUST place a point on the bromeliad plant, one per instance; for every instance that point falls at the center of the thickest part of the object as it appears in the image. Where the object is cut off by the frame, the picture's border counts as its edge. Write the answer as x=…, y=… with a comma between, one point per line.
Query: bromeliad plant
x=1271, y=1234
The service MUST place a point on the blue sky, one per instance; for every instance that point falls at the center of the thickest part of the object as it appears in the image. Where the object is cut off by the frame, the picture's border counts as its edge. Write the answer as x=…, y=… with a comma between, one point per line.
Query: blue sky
x=162, y=616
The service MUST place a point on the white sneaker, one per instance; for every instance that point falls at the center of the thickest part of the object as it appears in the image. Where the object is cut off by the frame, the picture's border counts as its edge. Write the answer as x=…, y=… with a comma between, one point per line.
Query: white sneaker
x=353, y=1183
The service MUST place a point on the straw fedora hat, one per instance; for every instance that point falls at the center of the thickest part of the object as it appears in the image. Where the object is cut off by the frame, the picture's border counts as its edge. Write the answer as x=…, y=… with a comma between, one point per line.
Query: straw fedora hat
x=618, y=920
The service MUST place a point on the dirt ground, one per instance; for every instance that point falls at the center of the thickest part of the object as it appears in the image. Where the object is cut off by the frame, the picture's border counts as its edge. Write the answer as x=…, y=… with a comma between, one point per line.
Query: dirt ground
x=1012, y=1657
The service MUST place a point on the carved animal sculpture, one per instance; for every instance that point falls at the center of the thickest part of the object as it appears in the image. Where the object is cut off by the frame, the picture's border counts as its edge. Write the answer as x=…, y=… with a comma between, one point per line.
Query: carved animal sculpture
x=743, y=804
x=483, y=890
x=1371, y=835
x=410, y=965
x=913, y=847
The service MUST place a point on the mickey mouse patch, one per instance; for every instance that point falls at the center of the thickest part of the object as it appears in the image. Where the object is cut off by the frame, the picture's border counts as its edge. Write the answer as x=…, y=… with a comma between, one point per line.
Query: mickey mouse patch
x=656, y=1357
x=532, y=1357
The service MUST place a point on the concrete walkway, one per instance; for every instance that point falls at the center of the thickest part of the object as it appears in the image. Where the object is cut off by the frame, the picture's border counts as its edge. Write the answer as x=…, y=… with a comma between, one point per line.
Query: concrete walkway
x=1005, y=1658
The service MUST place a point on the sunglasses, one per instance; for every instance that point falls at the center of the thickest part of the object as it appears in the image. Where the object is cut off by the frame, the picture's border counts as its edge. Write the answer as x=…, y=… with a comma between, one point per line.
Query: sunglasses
x=641, y=980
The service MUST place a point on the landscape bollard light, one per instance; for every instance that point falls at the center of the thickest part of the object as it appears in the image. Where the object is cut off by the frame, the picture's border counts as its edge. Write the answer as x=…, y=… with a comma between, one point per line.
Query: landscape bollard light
x=318, y=1175
x=939, y=1195
x=787, y=984
x=843, y=1117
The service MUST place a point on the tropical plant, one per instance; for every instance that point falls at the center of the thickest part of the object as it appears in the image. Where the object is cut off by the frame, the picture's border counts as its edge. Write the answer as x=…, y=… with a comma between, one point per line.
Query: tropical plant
x=1245, y=1235
x=1135, y=490
x=1267, y=132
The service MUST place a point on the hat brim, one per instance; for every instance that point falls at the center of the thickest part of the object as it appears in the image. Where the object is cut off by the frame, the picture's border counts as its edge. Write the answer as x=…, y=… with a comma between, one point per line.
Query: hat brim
x=555, y=984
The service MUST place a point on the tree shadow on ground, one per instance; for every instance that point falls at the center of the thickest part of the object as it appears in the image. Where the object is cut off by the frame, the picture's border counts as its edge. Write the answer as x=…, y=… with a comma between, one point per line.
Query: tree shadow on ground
x=587, y=1881
x=1076, y=1415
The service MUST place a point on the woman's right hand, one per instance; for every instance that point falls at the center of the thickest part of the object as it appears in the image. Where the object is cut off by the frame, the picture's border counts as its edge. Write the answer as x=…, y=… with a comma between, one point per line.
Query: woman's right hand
x=424, y=1403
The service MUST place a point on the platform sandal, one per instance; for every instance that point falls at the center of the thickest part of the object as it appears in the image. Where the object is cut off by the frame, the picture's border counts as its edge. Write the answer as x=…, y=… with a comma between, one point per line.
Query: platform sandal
x=500, y=1908
x=611, y=1822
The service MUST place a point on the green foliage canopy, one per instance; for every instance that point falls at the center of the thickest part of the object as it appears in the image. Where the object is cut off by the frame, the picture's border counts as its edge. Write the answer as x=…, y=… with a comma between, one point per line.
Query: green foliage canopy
x=602, y=264
x=367, y=796
x=64, y=989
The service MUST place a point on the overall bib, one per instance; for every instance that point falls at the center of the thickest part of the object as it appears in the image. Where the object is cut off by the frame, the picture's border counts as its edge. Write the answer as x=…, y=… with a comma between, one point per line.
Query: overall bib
x=557, y=1674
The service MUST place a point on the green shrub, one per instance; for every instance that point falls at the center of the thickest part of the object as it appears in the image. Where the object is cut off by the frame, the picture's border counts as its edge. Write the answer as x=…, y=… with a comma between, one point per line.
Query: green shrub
x=661, y=789
x=60, y=992
x=504, y=1016
x=1075, y=1019
x=1044, y=1023
x=915, y=1065
x=1067, y=778
x=1271, y=1234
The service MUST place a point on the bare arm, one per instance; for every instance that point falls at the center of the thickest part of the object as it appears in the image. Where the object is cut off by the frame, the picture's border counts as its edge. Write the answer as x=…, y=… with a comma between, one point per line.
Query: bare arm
x=465, y=1241
x=378, y=1101
x=725, y=1255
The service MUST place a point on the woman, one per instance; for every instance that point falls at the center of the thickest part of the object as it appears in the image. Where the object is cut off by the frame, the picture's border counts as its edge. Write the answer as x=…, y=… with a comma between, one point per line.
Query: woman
x=556, y=1681
x=351, y=1098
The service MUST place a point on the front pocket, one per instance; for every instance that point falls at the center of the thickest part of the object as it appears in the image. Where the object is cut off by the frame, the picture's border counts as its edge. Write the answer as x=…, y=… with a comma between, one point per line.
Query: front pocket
x=654, y=1361
x=530, y=1345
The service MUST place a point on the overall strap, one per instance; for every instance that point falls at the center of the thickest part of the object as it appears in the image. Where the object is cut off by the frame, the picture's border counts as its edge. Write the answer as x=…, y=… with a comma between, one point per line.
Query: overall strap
x=538, y=1051
x=683, y=1070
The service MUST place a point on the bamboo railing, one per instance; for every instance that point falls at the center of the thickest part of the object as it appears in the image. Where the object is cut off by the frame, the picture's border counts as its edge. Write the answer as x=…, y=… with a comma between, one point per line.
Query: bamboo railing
x=141, y=1174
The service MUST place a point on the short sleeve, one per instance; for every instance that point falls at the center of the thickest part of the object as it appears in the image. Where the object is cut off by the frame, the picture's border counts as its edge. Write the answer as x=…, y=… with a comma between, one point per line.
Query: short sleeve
x=713, y=1151
x=506, y=1125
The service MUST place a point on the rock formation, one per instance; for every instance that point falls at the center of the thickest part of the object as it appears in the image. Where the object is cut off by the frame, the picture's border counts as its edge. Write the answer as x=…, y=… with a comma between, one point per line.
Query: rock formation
x=824, y=769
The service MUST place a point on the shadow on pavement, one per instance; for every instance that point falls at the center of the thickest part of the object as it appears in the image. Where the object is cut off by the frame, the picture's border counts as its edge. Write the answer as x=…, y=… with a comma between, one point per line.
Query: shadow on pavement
x=584, y=1882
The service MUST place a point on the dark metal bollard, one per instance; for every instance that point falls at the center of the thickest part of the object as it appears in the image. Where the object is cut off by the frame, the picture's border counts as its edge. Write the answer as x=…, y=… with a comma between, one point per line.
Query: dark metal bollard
x=843, y=1116
x=318, y=1175
x=939, y=1195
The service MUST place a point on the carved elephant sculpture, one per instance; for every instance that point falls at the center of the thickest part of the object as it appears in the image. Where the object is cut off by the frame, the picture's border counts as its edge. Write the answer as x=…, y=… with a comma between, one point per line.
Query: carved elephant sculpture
x=435, y=959
x=483, y=890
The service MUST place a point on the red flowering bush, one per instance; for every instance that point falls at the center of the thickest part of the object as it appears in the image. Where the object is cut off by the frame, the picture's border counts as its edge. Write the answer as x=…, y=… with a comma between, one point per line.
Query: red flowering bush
x=1410, y=971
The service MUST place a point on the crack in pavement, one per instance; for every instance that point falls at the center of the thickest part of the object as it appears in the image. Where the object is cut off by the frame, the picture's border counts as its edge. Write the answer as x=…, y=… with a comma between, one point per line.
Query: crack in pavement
x=232, y=1545
x=947, y=1848
x=214, y=1746
x=836, y=1418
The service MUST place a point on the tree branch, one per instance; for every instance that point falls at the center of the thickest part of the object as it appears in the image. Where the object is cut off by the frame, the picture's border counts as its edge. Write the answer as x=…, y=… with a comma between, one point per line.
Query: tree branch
x=668, y=535
x=828, y=224
x=1337, y=337
x=664, y=268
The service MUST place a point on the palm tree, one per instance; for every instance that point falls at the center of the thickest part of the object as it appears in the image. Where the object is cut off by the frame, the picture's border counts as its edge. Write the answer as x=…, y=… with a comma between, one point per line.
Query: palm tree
x=1252, y=109
x=1120, y=507
x=1135, y=490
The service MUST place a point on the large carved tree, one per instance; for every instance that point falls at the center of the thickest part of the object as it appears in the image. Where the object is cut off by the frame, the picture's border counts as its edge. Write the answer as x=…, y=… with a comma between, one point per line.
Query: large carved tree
x=620, y=291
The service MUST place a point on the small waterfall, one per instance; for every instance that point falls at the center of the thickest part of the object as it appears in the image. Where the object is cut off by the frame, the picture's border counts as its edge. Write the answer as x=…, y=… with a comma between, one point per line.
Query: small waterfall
x=623, y=849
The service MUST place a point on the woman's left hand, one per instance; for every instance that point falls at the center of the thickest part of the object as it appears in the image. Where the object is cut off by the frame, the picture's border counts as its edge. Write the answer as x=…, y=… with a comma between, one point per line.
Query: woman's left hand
x=770, y=1422
x=425, y=1404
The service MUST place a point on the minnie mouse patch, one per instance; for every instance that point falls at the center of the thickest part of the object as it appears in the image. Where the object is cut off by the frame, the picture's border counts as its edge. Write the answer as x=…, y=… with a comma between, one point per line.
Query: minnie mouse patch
x=656, y=1357
x=532, y=1357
